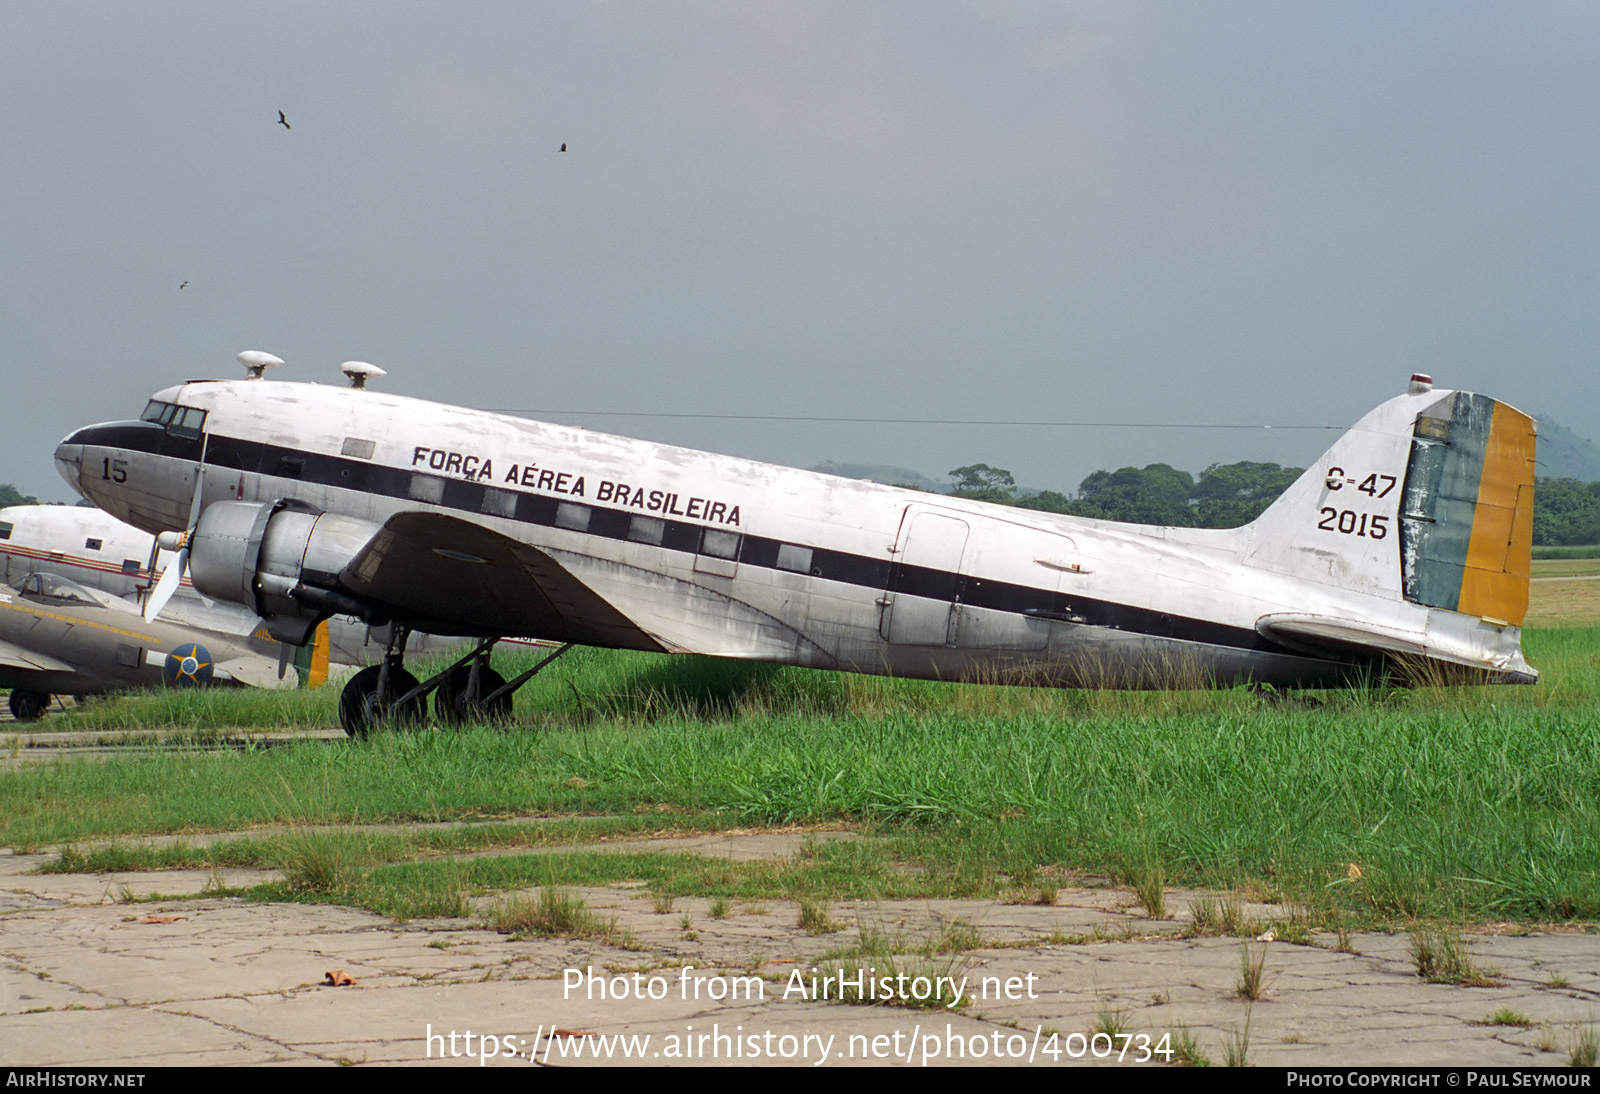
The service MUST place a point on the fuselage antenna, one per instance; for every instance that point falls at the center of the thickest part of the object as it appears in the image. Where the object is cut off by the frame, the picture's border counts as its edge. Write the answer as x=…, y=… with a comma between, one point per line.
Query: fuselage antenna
x=360, y=372
x=256, y=362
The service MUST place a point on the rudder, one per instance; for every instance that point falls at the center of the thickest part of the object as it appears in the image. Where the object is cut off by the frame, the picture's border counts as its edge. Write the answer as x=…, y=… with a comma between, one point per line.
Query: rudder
x=1466, y=522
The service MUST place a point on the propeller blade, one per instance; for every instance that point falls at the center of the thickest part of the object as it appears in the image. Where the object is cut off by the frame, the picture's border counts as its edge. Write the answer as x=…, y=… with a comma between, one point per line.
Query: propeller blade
x=171, y=577
x=199, y=491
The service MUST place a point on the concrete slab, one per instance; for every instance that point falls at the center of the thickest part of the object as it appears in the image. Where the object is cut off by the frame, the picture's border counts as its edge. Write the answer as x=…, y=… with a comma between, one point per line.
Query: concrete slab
x=84, y=981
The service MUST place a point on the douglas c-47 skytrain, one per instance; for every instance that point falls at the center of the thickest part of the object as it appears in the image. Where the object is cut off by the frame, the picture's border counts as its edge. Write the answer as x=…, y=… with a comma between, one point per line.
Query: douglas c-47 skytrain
x=1404, y=550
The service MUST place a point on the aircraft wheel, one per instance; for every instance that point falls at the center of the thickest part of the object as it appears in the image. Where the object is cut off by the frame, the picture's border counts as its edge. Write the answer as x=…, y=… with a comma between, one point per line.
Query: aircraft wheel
x=452, y=704
x=362, y=709
x=26, y=706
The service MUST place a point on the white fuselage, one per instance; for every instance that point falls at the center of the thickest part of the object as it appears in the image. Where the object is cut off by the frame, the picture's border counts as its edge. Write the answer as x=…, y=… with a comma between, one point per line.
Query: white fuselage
x=729, y=557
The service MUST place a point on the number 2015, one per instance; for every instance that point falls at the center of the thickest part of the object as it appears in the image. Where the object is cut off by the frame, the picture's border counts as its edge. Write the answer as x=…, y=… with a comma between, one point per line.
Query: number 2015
x=1351, y=523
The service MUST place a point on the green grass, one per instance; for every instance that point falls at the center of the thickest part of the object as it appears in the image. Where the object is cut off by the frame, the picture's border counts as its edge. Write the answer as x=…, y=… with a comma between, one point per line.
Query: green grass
x=1186, y=1050
x=1567, y=567
x=1454, y=803
x=1584, y=1047
x=1581, y=551
x=1441, y=957
x=1251, y=984
x=558, y=913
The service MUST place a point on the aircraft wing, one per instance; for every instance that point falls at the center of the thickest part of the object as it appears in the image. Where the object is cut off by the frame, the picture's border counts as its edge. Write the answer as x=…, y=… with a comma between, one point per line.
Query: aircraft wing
x=13, y=656
x=257, y=672
x=450, y=576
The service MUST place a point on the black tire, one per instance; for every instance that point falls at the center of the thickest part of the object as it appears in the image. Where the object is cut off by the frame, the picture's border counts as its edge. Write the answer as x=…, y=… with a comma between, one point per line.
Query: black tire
x=361, y=709
x=451, y=704
x=27, y=706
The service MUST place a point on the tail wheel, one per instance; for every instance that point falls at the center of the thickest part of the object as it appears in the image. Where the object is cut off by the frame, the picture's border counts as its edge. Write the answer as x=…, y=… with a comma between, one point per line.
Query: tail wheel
x=453, y=703
x=27, y=706
x=362, y=709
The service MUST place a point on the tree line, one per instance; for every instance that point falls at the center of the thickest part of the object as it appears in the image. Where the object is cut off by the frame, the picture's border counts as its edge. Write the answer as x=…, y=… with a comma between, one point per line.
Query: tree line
x=1565, y=511
x=1224, y=495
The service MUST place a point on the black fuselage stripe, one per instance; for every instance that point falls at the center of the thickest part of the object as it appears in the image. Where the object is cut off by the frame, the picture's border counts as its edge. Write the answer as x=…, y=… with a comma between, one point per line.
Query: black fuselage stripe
x=224, y=453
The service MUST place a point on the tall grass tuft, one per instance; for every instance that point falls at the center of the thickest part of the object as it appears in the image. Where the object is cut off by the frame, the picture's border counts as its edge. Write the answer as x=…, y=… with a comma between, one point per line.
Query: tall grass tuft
x=1236, y=1043
x=1441, y=957
x=1251, y=984
x=558, y=913
x=1585, y=1046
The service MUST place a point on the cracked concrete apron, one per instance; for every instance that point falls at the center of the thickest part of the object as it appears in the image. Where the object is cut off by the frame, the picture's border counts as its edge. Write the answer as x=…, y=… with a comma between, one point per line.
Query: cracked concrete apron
x=87, y=978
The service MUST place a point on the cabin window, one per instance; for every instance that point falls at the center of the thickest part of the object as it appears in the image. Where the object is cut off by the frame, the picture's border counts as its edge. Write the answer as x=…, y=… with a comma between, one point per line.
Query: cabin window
x=720, y=544
x=92, y=544
x=575, y=517
x=360, y=449
x=499, y=503
x=794, y=558
x=426, y=488
x=130, y=565
x=290, y=468
x=130, y=656
x=5, y=529
x=647, y=530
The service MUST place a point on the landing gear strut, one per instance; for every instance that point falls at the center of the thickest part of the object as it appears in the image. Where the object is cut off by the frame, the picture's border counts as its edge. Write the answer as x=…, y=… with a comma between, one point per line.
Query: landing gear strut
x=463, y=694
x=382, y=692
x=467, y=691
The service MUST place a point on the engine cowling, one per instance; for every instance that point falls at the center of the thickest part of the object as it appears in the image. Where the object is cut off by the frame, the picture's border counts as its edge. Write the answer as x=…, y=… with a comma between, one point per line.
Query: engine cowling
x=280, y=559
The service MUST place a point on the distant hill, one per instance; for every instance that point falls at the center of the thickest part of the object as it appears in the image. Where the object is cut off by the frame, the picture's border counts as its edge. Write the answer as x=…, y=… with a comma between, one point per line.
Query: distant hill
x=884, y=473
x=1564, y=454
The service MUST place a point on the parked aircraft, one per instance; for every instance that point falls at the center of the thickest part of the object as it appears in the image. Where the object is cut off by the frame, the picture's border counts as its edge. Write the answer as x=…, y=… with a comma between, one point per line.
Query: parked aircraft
x=1406, y=546
x=59, y=637
x=92, y=548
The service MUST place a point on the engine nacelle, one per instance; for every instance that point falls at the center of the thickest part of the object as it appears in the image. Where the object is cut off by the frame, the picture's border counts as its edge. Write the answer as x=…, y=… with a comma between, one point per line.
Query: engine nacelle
x=282, y=560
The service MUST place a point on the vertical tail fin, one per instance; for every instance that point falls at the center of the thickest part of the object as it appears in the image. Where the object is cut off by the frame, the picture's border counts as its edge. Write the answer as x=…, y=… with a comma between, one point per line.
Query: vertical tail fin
x=1426, y=505
x=1428, y=499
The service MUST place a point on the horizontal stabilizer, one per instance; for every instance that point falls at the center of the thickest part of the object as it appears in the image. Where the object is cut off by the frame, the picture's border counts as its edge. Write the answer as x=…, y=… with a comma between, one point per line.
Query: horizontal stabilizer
x=1329, y=636
x=1450, y=638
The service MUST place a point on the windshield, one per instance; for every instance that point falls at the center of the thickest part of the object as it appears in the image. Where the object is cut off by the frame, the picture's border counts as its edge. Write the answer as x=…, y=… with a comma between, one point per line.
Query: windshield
x=183, y=421
x=55, y=589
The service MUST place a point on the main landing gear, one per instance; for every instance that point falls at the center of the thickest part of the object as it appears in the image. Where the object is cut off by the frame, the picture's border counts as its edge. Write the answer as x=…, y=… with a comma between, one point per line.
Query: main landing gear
x=27, y=706
x=468, y=691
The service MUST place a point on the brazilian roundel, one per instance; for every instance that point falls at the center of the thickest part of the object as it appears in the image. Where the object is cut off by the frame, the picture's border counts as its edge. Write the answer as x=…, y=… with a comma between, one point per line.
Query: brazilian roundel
x=188, y=665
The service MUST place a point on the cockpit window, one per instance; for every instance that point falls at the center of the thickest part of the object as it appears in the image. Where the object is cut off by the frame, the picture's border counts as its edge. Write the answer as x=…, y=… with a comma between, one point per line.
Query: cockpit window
x=157, y=412
x=181, y=421
x=187, y=422
x=51, y=589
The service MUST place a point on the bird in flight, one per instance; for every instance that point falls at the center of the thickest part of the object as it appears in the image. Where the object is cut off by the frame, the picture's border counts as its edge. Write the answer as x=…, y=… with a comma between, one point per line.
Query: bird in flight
x=283, y=121
x=563, y=146
x=185, y=285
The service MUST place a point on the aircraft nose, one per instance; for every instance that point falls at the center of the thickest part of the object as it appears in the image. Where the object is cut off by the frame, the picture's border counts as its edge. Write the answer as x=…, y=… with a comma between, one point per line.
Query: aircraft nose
x=69, y=460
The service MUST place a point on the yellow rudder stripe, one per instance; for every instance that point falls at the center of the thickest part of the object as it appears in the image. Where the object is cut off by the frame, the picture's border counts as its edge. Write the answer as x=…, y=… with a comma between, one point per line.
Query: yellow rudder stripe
x=1500, y=553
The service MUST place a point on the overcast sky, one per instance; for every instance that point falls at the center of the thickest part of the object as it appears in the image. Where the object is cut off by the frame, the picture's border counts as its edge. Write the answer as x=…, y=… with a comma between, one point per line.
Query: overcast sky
x=1128, y=212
